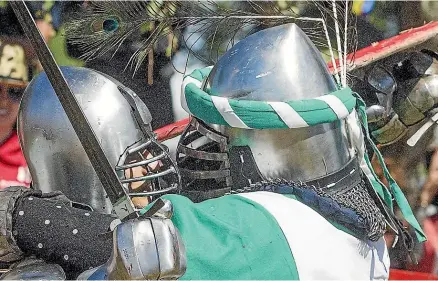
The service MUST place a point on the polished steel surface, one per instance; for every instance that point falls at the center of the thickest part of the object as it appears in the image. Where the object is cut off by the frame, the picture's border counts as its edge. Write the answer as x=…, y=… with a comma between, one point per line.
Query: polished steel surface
x=433, y=69
x=296, y=154
x=97, y=273
x=421, y=99
x=375, y=113
x=34, y=269
x=144, y=249
x=429, y=83
x=426, y=87
x=56, y=158
x=281, y=64
x=165, y=212
x=275, y=64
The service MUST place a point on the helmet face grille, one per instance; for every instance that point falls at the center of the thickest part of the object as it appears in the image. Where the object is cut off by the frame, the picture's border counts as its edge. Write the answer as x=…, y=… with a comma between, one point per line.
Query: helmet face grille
x=202, y=158
x=147, y=171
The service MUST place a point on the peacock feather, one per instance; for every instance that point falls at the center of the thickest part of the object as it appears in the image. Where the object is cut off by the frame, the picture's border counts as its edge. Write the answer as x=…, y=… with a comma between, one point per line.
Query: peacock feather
x=104, y=26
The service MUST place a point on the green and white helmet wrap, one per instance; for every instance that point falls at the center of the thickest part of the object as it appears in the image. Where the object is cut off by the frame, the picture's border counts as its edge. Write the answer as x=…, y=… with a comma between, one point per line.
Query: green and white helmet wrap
x=276, y=98
x=247, y=114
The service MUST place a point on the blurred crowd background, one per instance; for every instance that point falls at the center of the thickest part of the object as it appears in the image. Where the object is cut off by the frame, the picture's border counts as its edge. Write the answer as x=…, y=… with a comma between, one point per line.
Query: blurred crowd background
x=158, y=81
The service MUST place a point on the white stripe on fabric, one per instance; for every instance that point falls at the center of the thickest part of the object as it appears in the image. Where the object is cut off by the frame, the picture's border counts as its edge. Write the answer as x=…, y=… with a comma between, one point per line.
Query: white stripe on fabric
x=320, y=250
x=187, y=80
x=336, y=104
x=289, y=116
x=356, y=135
x=224, y=108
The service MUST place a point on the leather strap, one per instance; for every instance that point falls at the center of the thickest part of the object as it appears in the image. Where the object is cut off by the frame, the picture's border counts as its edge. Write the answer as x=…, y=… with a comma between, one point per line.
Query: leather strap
x=341, y=180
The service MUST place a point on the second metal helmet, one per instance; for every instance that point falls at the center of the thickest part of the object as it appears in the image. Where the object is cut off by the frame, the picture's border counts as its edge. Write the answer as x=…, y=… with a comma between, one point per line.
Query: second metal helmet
x=121, y=122
x=276, y=65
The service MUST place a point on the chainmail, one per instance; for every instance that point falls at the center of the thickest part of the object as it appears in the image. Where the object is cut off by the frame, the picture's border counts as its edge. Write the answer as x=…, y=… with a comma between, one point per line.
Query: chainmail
x=356, y=199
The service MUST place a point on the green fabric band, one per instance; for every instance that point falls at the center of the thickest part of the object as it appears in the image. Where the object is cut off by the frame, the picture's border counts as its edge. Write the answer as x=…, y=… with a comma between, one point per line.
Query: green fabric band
x=260, y=114
x=399, y=197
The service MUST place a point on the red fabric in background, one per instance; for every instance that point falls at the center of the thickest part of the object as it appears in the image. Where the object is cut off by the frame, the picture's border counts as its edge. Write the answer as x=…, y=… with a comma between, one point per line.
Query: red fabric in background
x=396, y=274
x=428, y=262
x=13, y=167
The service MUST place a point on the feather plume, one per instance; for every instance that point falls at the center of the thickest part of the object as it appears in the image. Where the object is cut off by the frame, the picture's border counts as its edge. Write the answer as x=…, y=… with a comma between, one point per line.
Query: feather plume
x=105, y=25
x=216, y=26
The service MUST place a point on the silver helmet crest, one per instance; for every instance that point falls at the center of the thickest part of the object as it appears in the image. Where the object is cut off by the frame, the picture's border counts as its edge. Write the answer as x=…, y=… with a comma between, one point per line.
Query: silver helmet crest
x=121, y=122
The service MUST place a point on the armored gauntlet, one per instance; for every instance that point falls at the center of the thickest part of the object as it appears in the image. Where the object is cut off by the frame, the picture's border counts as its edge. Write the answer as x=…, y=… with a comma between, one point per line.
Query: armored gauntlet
x=144, y=248
x=149, y=249
x=401, y=92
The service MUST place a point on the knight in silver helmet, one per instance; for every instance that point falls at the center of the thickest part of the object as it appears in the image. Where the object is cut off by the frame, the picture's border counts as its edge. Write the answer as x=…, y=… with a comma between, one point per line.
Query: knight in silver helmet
x=405, y=134
x=281, y=213
x=56, y=158
x=264, y=97
x=288, y=68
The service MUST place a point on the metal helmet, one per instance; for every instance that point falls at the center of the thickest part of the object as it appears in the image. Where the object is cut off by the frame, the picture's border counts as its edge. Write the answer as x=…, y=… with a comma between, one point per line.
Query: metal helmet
x=121, y=122
x=277, y=64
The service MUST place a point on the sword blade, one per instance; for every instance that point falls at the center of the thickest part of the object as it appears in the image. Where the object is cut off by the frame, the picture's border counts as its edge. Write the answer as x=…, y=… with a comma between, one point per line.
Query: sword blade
x=106, y=173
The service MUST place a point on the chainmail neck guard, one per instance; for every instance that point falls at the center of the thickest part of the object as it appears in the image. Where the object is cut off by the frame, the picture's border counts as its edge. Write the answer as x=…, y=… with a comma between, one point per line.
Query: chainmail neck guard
x=214, y=169
x=344, y=197
x=354, y=208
